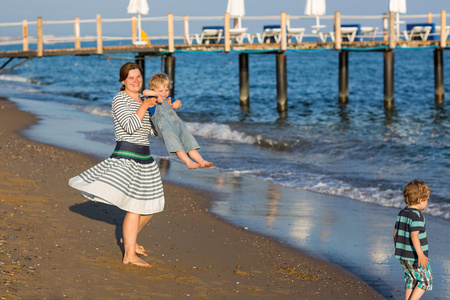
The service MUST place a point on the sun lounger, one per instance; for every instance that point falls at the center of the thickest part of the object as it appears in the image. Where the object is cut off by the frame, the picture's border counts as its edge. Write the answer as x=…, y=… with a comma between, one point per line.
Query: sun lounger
x=348, y=33
x=252, y=37
x=214, y=35
x=271, y=34
x=239, y=34
x=446, y=32
x=419, y=31
x=211, y=35
x=295, y=33
x=369, y=30
x=190, y=38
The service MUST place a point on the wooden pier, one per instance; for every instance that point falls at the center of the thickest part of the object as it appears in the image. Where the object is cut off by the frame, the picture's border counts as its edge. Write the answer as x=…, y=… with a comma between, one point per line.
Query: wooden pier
x=340, y=41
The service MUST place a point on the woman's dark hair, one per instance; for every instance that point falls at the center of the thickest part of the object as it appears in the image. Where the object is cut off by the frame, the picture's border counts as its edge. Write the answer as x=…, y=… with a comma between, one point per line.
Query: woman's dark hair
x=125, y=69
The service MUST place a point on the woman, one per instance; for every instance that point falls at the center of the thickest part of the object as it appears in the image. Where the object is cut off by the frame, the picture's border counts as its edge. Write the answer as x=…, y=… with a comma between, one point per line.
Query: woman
x=129, y=178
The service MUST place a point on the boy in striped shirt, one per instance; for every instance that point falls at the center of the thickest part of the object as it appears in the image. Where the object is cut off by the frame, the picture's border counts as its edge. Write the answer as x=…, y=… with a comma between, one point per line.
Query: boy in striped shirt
x=410, y=240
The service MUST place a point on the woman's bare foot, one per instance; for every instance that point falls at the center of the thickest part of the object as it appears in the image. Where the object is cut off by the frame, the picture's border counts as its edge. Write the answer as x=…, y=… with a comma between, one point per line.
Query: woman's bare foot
x=205, y=164
x=135, y=260
x=140, y=250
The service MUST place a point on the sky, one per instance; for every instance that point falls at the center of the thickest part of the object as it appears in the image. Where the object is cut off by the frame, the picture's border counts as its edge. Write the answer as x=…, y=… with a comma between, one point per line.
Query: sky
x=53, y=10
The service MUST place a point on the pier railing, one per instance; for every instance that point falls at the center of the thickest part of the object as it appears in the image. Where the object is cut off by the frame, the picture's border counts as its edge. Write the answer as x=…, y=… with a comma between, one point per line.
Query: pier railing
x=387, y=32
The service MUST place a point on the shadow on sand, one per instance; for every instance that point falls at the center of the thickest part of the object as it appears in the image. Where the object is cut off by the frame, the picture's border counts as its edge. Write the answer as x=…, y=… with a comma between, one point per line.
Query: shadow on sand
x=102, y=212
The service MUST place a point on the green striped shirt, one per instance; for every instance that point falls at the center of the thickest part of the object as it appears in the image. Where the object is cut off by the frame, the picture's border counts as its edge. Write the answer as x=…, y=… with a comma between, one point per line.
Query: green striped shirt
x=409, y=220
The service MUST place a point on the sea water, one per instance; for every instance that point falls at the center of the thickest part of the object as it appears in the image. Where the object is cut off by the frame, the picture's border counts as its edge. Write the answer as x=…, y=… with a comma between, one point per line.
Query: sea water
x=359, y=151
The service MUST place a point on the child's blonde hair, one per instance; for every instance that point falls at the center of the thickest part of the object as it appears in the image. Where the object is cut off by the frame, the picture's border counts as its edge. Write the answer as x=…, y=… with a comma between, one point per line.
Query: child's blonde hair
x=415, y=191
x=159, y=79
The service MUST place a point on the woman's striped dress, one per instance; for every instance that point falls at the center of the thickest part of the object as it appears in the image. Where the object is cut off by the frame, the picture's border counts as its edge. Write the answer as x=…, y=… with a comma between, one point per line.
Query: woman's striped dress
x=129, y=178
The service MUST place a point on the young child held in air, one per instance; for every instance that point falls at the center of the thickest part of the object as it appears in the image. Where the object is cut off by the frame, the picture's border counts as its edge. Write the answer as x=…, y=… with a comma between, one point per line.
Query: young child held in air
x=410, y=240
x=177, y=138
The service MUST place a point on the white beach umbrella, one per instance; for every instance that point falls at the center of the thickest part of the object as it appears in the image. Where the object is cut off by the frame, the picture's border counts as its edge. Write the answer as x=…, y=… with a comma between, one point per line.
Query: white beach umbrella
x=236, y=9
x=398, y=7
x=315, y=8
x=139, y=7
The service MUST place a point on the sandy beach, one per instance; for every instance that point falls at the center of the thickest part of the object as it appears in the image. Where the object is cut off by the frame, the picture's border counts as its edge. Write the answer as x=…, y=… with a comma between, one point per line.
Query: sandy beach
x=55, y=244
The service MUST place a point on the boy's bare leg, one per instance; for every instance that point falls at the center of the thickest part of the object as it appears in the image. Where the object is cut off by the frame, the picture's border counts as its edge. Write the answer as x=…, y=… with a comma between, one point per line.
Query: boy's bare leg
x=198, y=158
x=130, y=231
x=414, y=294
x=408, y=293
x=185, y=158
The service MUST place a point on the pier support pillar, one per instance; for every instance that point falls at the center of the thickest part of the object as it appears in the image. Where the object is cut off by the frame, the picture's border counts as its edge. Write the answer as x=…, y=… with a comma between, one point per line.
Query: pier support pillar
x=140, y=60
x=281, y=82
x=439, y=89
x=389, y=79
x=169, y=69
x=343, y=77
x=244, y=84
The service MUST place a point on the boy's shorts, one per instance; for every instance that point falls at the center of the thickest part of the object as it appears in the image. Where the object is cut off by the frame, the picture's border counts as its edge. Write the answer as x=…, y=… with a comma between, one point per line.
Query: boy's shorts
x=417, y=276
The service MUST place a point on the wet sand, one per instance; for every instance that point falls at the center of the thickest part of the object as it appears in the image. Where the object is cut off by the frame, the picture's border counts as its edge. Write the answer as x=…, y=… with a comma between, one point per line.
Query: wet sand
x=55, y=244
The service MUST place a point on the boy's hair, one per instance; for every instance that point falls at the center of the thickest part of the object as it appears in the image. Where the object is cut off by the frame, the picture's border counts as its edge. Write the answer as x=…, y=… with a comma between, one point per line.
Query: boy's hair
x=159, y=79
x=415, y=191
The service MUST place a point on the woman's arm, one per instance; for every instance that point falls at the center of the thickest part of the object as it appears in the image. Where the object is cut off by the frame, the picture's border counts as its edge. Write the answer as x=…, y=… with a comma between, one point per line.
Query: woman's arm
x=129, y=119
x=146, y=104
x=124, y=115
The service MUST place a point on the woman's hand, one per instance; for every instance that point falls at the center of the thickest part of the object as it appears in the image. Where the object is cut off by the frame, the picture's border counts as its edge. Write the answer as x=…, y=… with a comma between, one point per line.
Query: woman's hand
x=151, y=101
x=153, y=95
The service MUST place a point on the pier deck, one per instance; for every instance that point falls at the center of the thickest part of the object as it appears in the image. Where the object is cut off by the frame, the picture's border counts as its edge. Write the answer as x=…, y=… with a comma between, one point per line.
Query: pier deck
x=249, y=48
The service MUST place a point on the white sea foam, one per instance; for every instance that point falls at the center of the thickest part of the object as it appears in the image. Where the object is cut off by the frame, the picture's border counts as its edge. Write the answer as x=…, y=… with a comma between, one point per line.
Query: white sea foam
x=17, y=78
x=22, y=89
x=94, y=110
x=387, y=198
x=219, y=132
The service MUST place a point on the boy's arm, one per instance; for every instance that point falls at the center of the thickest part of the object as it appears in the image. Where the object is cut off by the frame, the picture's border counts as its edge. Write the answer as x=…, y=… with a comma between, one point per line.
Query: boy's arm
x=423, y=260
x=150, y=93
x=395, y=237
x=176, y=104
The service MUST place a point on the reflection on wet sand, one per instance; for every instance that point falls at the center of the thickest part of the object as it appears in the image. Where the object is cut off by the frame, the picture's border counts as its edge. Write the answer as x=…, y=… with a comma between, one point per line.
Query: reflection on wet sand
x=272, y=206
